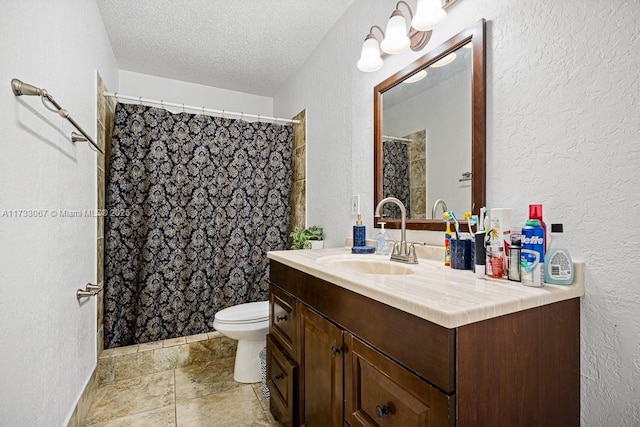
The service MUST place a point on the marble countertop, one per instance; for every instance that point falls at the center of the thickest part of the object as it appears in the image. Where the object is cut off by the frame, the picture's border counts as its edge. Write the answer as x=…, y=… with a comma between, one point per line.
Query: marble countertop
x=448, y=297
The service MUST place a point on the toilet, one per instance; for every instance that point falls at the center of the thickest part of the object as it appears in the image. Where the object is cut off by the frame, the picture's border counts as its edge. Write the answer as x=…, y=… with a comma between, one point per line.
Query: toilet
x=249, y=324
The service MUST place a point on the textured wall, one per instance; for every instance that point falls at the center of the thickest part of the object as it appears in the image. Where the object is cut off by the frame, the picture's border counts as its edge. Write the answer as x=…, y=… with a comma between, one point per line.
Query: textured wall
x=159, y=88
x=562, y=129
x=47, y=339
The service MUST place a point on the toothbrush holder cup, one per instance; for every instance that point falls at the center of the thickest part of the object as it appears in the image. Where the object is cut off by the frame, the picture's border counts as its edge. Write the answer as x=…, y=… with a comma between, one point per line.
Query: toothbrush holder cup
x=461, y=258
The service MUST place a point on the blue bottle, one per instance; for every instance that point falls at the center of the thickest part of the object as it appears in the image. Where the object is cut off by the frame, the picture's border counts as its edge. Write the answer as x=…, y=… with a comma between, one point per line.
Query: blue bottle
x=359, y=234
x=532, y=254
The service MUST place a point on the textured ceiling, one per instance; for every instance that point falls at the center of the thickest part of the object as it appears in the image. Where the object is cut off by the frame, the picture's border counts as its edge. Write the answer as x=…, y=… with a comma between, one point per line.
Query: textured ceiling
x=249, y=45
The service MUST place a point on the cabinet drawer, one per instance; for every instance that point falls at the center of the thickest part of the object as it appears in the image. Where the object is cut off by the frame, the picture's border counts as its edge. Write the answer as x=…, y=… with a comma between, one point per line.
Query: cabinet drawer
x=380, y=392
x=281, y=380
x=282, y=319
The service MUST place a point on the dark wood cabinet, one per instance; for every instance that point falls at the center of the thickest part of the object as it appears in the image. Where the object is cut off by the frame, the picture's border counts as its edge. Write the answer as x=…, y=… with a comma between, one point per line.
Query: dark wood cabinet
x=282, y=319
x=353, y=361
x=321, y=365
x=381, y=392
x=282, y=382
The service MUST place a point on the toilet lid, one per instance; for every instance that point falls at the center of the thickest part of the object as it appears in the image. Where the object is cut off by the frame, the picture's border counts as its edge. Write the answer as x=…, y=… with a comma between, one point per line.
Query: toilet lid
x=244, y=313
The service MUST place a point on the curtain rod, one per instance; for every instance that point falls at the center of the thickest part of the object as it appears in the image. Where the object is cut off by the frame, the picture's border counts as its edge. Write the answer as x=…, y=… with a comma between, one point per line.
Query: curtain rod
x=212, y=111
x=395, y=138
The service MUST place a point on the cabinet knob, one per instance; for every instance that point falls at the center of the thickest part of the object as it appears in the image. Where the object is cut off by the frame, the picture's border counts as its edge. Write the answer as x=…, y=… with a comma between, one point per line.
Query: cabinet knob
x=281, y=318
x=335, y=350
x=383, y=410
x=278, y=377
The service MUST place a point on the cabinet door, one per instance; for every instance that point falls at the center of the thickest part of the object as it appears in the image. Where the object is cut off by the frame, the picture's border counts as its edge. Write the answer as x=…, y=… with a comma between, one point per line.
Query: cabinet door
x=281, y=380
x=321, y=382
x=379, y=392
x=282, y=319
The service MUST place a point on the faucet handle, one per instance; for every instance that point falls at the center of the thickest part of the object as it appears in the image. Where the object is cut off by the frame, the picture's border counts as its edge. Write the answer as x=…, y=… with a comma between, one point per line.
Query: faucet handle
x=412, y=249
x=395, y=246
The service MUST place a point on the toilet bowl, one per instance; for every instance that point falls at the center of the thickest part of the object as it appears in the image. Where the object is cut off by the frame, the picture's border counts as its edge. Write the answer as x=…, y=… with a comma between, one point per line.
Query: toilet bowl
x=249, y=324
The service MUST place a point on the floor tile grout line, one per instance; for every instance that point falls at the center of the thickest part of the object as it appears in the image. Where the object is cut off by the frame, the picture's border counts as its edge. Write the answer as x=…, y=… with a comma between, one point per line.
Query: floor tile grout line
x=175, y=398
x=218, y=361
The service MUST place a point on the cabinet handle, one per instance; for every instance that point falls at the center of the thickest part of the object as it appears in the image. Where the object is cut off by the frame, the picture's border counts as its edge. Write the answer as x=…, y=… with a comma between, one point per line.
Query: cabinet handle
x=383, y=410
x=278, y=377
x=335, y=350
x=281, y=318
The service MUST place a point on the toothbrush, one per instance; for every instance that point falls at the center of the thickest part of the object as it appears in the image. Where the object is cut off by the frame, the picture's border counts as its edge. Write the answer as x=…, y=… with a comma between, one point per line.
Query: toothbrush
x=480, y=242
x=470, y=222
x=451, y=216
x=447, y=238
x=473, y=222
x=482, y=221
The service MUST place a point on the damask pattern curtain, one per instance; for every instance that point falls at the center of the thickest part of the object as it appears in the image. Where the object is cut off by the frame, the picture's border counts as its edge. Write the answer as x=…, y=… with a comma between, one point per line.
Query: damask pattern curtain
x=395, y=177
x=194, y=203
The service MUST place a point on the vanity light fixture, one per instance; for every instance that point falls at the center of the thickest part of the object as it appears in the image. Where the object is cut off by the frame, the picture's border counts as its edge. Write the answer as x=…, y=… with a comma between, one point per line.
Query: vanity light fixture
x=396, y=39
x=416, y=77
x=444, y=61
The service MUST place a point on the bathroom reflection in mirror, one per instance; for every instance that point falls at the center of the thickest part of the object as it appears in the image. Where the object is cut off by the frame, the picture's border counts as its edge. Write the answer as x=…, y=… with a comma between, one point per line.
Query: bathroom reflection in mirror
x=429, y=133
x=426, y=144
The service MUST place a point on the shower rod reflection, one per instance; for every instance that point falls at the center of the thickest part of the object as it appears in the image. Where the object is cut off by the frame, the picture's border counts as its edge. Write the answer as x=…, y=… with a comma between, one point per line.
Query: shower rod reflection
x=21, y=88
x=395, y=138
x=203, y=110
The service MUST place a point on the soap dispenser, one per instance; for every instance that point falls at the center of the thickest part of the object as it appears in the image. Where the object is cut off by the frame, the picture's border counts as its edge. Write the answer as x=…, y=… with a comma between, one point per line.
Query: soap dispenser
x=382, y=241
x=359, y=234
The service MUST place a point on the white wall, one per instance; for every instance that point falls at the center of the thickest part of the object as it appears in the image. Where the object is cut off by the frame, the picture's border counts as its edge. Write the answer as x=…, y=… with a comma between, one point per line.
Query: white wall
x=47, y=339
x=562, y=129
x=159, y=88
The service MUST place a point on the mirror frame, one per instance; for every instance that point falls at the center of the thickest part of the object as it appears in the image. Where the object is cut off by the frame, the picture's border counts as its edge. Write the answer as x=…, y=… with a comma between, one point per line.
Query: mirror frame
x=475, y=34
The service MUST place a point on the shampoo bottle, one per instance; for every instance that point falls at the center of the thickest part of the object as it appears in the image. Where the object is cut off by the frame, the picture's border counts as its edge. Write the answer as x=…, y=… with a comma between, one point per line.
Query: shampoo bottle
x=558, y=266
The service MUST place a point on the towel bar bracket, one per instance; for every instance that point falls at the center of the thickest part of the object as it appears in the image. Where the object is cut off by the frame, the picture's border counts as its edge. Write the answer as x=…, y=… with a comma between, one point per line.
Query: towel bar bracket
x=20, y=88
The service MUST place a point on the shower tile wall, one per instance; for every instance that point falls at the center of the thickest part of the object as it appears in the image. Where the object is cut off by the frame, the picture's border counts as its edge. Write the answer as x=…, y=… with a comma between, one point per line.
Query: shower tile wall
x=298, y=190
x=418, y=174
x=105, y=116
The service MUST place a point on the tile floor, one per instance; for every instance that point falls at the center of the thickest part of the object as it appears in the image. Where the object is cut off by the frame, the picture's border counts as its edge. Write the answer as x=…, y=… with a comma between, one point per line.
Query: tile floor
x=202, y=393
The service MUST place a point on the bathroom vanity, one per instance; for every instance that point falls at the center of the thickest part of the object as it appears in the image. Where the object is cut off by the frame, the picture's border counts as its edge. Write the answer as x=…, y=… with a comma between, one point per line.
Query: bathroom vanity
x=363, y=341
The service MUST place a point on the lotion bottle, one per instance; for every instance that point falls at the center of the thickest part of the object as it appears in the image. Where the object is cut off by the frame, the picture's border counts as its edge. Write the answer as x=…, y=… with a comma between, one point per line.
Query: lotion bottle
x=558, y=266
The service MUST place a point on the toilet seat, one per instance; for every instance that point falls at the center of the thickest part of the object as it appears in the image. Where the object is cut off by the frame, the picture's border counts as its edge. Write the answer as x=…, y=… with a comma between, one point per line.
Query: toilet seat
x=252, y=312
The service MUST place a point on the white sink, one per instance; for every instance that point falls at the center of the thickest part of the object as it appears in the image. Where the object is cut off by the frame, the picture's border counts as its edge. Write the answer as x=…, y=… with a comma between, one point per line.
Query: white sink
x=367, y=264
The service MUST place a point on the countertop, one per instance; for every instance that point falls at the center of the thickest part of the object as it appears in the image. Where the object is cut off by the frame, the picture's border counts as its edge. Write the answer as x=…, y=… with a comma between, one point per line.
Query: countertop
x=445, y=296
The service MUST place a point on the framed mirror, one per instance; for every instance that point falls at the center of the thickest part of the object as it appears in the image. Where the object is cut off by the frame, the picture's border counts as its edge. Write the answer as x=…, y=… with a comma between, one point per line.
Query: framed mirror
x=429, y=134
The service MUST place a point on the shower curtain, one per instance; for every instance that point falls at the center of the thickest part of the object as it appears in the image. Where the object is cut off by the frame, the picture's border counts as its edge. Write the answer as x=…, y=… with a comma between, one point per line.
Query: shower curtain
x=194, y=203
x=395, y=177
